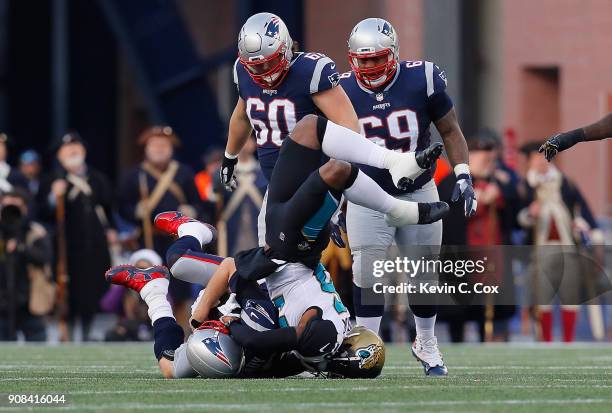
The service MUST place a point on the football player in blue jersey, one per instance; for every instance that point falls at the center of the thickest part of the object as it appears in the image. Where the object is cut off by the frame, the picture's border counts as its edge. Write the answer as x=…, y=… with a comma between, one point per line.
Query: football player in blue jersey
x=396, y=102
x=278, y=89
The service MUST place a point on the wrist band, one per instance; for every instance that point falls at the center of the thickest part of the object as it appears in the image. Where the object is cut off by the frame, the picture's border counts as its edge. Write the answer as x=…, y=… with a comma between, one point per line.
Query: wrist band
x=461, y=168
x=230, y=156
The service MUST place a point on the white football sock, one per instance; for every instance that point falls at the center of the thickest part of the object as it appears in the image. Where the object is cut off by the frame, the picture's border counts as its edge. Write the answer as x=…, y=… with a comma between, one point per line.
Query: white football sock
x=344, y=144
x=402, y=209
x=196, y=229
x=425, y=327
x=373, y=323
x=367, y=193
x=155, y=293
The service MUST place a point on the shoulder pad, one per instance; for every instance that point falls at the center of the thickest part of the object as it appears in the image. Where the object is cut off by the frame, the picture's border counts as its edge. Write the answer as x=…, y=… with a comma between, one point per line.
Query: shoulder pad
x=313, y=65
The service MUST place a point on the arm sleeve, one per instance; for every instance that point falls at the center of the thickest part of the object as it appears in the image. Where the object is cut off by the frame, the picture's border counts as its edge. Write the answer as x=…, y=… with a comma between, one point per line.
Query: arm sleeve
x=264, y=343
x=324, y=76
x=438, y=101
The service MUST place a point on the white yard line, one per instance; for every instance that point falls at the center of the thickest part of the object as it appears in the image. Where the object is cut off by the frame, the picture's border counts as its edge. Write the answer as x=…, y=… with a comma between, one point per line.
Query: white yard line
x=307, y=406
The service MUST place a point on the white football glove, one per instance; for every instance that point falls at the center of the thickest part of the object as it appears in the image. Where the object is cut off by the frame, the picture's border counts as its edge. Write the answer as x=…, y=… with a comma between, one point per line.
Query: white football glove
x=231, y=307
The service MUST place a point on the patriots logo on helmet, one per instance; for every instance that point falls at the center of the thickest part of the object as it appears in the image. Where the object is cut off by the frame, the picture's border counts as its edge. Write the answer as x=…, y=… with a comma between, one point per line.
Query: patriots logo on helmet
x=387, y=29
x=368, y=356
x=273, y=28
x=212, y=344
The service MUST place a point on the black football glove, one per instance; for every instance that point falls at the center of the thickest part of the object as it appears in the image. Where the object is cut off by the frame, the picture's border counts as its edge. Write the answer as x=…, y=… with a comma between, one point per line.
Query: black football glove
x=338, y=224
x=463, y=188
x=226, y=173
x=561, y=142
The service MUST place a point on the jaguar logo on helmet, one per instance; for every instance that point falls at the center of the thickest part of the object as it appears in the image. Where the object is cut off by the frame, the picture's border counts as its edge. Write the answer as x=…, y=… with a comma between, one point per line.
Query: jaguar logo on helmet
x=368, y=356
x=212, y=344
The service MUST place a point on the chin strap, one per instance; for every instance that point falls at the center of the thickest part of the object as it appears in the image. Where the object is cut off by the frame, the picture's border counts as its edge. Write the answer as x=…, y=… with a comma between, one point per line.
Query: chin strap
x=214, y=325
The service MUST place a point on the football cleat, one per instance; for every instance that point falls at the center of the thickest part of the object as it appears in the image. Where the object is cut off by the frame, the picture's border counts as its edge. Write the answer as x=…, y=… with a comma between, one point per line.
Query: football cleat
x=135, y=278
x=432, y=211
x=427, y=157
x=169, y=222
x=413, y=164
x=428, y=212
x=429, y=355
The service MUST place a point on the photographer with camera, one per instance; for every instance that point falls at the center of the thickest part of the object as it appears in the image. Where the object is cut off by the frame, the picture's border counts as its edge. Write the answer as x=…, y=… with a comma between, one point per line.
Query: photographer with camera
x=26, y=290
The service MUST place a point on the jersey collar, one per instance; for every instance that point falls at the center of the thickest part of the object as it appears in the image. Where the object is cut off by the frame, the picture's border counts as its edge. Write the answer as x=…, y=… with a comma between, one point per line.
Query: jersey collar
x=369, y=91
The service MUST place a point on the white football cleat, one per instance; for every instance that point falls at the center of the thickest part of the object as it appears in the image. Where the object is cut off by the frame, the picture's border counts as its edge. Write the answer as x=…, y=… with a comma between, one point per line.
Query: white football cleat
x=429, y=355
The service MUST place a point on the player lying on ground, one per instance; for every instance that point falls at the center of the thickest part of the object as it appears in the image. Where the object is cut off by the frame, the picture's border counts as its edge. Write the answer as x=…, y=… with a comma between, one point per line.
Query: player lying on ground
x=388, y=93
x=597, y=131
x=252, y=315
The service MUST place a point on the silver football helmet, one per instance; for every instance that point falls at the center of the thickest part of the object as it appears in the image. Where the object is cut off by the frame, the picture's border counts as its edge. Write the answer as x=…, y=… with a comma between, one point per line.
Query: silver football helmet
x=213, y=354
x=370, y=39
x=264, y=48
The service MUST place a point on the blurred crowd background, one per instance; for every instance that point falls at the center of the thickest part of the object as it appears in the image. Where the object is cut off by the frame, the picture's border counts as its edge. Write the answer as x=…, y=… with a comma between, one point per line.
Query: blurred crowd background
x=113, y=111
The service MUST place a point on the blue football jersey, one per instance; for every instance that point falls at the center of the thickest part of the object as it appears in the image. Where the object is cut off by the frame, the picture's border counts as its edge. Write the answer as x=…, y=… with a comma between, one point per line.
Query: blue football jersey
x=399, y=116
x=274, y=112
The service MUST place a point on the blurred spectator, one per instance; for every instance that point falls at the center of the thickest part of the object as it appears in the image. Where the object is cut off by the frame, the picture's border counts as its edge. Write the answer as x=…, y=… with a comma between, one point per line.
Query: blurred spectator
x=159, y=184
x=29, y=166
x=77, y=199
x=558, y=218
x=133, y=324
x=26, y=291
x=238, y=222
x=491, y=225
x=205, y=182
x=9, y=177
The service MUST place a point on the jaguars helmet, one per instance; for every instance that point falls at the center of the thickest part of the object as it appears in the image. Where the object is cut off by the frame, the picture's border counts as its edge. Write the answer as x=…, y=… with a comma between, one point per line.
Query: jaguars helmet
x=370, y=38
x=212, y=353
x=361, y=356
x=264, y=49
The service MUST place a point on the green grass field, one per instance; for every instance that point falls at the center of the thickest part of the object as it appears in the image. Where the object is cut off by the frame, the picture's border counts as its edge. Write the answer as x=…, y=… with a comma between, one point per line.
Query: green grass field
x=499, y=378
